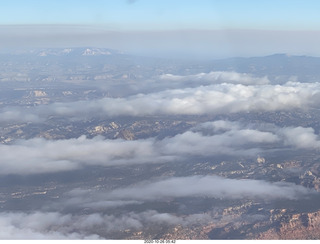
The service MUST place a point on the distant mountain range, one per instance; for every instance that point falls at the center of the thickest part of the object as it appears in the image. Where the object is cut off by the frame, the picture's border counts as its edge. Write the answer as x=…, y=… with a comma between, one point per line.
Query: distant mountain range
x=277, y=64
x=278, y=67
x=84, y=51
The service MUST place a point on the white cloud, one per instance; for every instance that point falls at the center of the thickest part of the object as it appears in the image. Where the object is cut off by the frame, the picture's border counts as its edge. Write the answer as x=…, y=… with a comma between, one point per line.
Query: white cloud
x=207, y=139
x=233, y=142
x=223, y=98
x=41, y=156
x=209, y=186
x=196, y=186
x=301, y=137
x=39, y=225
x=55, y=225
x=212, y=99
x=216, y=77
x=16, y=114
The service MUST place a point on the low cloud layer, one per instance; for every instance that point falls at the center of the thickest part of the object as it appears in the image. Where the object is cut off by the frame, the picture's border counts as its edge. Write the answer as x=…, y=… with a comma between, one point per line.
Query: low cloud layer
x=46, y=225
x=209, y=186
x=217, y=77
x=198, y=186
x=55, y=225
x=43, y=156
x=208, y=139
x=52, y=224
x=172, y=81
x=224, y=98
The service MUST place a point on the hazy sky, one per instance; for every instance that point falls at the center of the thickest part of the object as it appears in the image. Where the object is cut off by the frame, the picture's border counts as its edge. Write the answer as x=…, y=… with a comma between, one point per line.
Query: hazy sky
x=198, y=27
x=166, y=14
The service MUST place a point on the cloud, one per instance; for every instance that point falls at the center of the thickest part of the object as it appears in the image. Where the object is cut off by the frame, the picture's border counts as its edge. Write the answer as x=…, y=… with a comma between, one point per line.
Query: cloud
x=175, y=188
x=216, y=77
x=131, y=1
x=16, y=114
x=209, y=186
x=44, y=156
x=98, y=225
x=208, y=139
x=212, y=99
x=244, y=142
x=171, y=81
x=39, y=225
x=222, y=98
x=55, y=225
x=301, y=137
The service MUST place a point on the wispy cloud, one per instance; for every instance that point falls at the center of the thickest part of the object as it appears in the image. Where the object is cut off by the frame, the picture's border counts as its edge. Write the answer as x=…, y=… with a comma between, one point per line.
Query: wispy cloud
x=131, y=1
x=55, y=225
x=208, y=139
x=217, y=77
x=209, y=186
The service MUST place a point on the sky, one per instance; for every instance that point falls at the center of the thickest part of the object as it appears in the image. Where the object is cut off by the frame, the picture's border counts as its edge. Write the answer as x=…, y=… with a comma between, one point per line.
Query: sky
x=166, y=14
x=154, y=27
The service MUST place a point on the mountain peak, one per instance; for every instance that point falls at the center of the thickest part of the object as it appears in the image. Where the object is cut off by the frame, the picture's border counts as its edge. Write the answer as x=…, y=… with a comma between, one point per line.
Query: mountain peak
x=96, y=52
x=78, y=51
